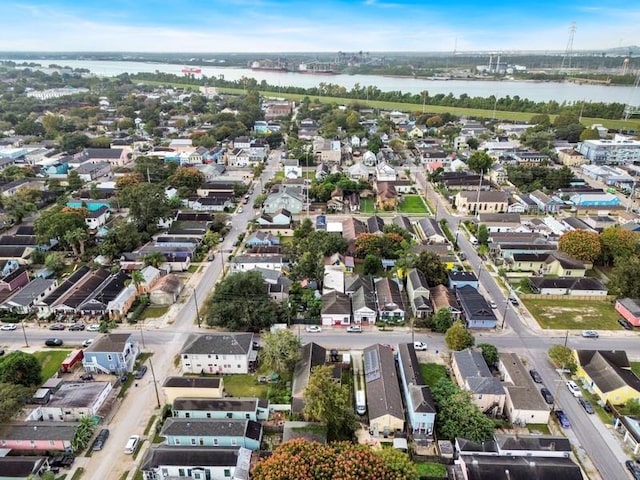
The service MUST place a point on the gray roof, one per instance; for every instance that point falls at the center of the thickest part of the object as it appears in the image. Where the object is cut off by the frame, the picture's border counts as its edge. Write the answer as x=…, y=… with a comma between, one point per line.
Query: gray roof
x=474, y=305
x=33, y=289
x=542, y=443
x=422, y=400
x=631, y=304
x=403, y=221
x=572, y=283
x=40, y=431
x=430, y=227
x=21, y=467
x=216, y=404
x=311, y=355
x=77, y=394
x=389, y=295
x=218, y=344
x=475, y=372
x=483, y=467
x=524, y=394
x=109, y=342
x=383, y=388
x=190, y=456
x=609, y=370
x=363, y=298
x=417, y=279
x=508, y=217
x=206, y=427
x=485, y=196
x=336, y=303
x=192, y=382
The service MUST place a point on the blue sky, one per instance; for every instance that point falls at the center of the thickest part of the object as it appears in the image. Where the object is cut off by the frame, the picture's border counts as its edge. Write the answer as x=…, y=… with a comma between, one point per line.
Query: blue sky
x=320, y=25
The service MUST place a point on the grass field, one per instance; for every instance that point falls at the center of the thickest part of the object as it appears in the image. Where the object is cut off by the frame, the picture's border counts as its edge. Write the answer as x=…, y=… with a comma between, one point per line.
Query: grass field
x=153, y=312
x=432, y=470
x=50, y=361
x=244, y=386
x=573, y=314
x=366, y=205
x=432, y=372
x=412, y=204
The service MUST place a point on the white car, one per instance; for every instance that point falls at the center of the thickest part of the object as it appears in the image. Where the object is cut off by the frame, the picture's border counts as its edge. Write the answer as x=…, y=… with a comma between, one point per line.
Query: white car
x=419, y=345
x=8, y=326
x=240, y=210
x=87, y=342
x=313, y=329
x=94, y=327
x=492, y=304
x=590, y=334
x=574, y=389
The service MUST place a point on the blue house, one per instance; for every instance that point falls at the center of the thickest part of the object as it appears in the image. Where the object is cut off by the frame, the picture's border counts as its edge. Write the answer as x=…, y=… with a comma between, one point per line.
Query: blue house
x=475, y=308
x=91, y=205
x=421, y=410
x=595, y=200
x=221, y=408
x=111, y=353
x=215, y=155
x=462, y=279
x=56, y=169
x=212, y=433
x=262, y=239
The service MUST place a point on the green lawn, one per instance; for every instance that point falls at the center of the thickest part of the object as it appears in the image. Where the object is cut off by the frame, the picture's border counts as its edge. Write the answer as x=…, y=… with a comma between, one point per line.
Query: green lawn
x=541, y=428
x=573, y=314
x=244, y=386
x=153, y=312
x=366, y=205
x=635, y=367
x=426, y=469
x=432, y=372
x=50, y=361
x=412, y=204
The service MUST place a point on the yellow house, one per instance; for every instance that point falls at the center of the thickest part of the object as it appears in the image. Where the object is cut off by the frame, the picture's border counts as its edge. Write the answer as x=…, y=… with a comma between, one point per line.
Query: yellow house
x=554, y=263
x=608, y=374
x=192, y=387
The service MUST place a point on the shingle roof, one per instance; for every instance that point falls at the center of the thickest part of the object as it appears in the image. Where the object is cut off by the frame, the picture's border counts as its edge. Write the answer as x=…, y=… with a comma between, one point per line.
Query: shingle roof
x=631, y=304
x=609, y=370
x=109, y=342
x=192, y=382
x=40, y=431
x=524, y=394
x=474, y=305
x=383, y=389
x=171, y=455
x=215, y=404
x=218, y=344
x=206, y=427
x=550, y=443
x=31, y=290
x=421, y=398
x=21, y=467
x=572, y=283
x=483, y=467
x=311, y=355
x=336, y=303
x=476, y=374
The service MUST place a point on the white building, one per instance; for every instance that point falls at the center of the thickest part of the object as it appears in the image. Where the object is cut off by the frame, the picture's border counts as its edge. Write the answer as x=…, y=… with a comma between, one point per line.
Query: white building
x=72, y=401
x=619, y=151
x=220, y=353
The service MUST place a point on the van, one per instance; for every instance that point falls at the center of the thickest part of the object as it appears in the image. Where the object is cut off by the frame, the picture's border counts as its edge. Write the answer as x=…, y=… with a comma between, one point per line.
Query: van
x=361, y=405
x=131, y=445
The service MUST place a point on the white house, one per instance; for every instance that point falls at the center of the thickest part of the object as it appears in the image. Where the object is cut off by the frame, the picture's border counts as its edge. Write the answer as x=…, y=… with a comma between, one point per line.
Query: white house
x=385, y=173
x=220, y=353
x=170, y=461
x=245, y=263
x=336, y=309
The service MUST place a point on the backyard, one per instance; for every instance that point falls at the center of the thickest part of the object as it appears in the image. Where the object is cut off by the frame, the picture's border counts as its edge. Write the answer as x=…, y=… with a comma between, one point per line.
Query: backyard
x=573, y=314
x=50, y=361
x=432, y=372
x=412, y=204
x=244, y=386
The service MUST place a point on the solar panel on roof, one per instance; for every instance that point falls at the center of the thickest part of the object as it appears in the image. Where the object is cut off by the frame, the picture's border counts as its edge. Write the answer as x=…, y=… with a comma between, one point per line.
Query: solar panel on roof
x=371, y=365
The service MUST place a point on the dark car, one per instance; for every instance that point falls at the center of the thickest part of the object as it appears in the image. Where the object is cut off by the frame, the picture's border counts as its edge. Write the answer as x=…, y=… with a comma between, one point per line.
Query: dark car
x=546, y=394
x=101, y=438
x=76, y=327
x=624, y=323
x=562, y=419
x=535, y=376
x=514, y=301
x=138, y=374
x=53, y=342
x=634, y=468
x=87, y=377
x=586, y=404
x=57, y=326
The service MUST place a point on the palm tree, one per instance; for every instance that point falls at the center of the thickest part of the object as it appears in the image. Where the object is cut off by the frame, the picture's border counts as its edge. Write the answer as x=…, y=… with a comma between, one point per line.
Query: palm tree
x=155, y=259
x=138, y=279
x=70, y=239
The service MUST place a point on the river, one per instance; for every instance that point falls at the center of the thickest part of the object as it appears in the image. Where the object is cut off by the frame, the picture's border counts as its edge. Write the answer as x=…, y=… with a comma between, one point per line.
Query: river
x=536, y=91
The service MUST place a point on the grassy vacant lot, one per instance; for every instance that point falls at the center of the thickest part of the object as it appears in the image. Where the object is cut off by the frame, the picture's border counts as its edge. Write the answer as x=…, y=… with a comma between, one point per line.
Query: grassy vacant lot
x=432, y=470
x=50, y=361
x=573, y=314
x=412, y=204
x=432, y=372
x=541, y=428
x=366, y=205
x=244, y=386
x=153, y=312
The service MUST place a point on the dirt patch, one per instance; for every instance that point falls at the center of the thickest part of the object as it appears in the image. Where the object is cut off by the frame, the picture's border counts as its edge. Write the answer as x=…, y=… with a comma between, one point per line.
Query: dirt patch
x=579, y=313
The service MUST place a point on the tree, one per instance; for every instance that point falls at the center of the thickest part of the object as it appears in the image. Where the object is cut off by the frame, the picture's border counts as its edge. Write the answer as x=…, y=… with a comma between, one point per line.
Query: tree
x=55, y=263
x=442, y=320
x=12, y=398
x=20, y=368
x=581, y=244
x=371, y=265
x=186, y=180
x=480, y=162
x=154, y=259
x=398, y=463
x=473, y=143
x=147, y=204
x=122, y=237
x=617, y=244
x=326, y=401
x=280, y=351
x=74, y=181
x=55, y=222
x=589, y=134
x=374, y=144
x=431, y=266
x=458, y=337
x=489, y=353
x=624, y=280
x=83, y=434
x=483, y=234
x=20, y=204
x=240, y=302
x=137, y=278
x=563, y=357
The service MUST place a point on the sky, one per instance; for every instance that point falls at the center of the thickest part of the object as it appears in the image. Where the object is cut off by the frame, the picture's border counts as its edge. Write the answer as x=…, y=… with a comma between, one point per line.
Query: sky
x=316, y=25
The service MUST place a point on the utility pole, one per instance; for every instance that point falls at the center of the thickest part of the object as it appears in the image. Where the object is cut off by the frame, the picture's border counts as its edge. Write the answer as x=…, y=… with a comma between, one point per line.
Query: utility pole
x=155, y=383
x=24, y=332
x=504, y=314
x=195, y=300
x=142, y=336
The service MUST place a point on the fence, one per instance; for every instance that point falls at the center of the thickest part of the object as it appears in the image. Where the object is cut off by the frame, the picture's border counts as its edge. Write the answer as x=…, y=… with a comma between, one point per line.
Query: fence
x=586, y=298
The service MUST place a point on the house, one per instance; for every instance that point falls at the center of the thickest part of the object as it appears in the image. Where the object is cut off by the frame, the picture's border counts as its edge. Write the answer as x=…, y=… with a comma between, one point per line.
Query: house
x=167, y=290
x=211, y=463
x=287, y=199
x=390, y=302
x=192, y=387
x=23, y=467
x=111, y=353
x=473, y=375
x=523, y=403
x=23, y=300
x=459, y=279
x=14, y=280
x=585, y=286
x=403, y=222
x=245, y=263
x=629, y=427
x=629, y=308
x=311, y=355
x=336, y=309
x=122, y=303
x=38, y=436
x=443, y=297
x=221, y=408
x=88, y=171
x=116, y=157
x=477, y=312
x=363, y=301
x=595, y=200
x=485, y=467
x=328, y=151
x=501, y=222
x=385, y=172
x=420, y=407
x=384, y=401
x=292, y=168
x=222, y=353
x=608, y=374
x=262, y=239
x=351, y=228
x=204, y=432
x=429, y=230
x=553, y=263
x=375, y=225
x=418, y=292
x=545, y=203
x=97, y=218
x=386, y=196
x=359, y=171
x=279, y=219
x=482, y=202
x=72, y=401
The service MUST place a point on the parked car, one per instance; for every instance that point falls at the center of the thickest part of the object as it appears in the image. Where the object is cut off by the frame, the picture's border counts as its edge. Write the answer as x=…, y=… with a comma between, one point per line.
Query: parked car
x=573, y=388
x=590, y=334
x=1, y=352
x=535, y=376
x=77, y=327
x=546, y=394
x=562, y=419
x=87, y=377
x=514, y=301
x=493, y=304
x=586, y=404
x=624, y=323
x=138, y=374
x=94, y=327
x=354, y=329
x=419, y=345
x=87, y=342
x=8, y=326
x=313, y=329
x=53, y=342
x=634, y=468
x=57, y=326
x=100, y=440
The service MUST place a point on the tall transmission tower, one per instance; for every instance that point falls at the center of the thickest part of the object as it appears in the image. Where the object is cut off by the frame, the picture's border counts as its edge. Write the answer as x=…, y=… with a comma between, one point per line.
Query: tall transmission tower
x=568, y=53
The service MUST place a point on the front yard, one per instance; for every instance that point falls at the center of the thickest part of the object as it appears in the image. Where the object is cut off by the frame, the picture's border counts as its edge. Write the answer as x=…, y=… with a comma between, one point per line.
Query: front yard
x=432, y=372
x=50, y=361
x=366, y=205
x=411, y=204
x=244, y=386
x=573, y=314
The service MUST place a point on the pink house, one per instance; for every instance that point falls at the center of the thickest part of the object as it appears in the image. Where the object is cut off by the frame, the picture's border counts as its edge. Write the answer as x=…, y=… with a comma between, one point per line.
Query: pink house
x=629, y=308
x=16, y=279
x=38, y=436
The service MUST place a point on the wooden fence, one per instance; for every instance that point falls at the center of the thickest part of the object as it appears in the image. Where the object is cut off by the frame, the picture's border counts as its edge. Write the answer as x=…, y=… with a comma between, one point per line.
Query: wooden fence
x=585, y=298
